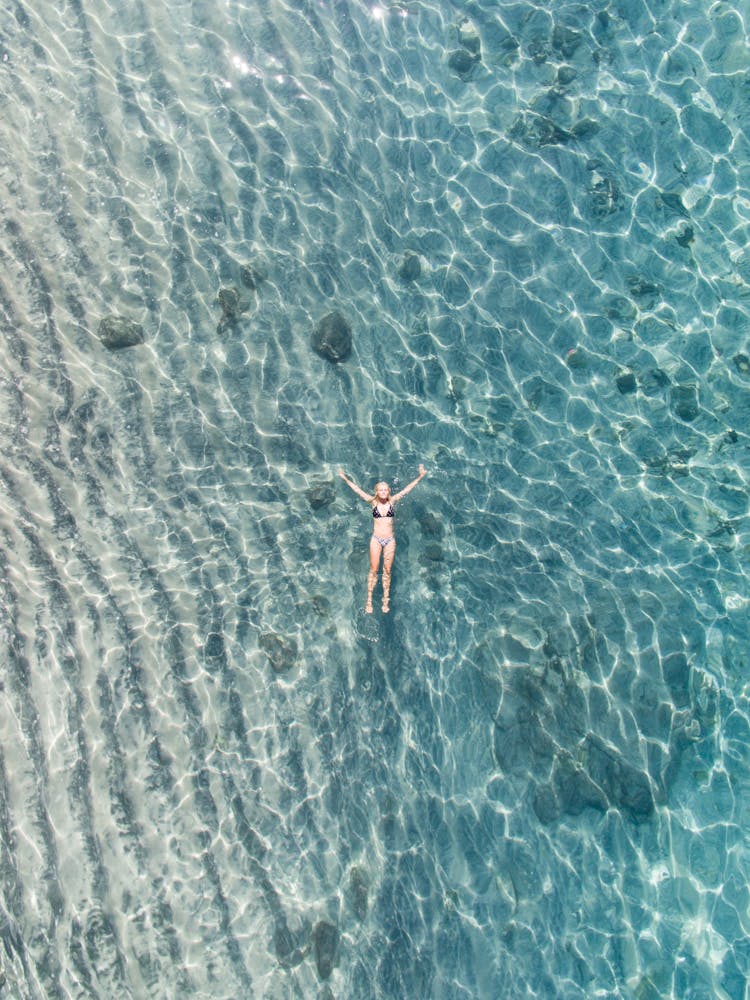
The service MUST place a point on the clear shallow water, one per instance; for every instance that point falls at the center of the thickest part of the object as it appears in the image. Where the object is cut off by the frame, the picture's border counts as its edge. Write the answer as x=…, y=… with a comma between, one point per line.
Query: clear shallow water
x=219, y=779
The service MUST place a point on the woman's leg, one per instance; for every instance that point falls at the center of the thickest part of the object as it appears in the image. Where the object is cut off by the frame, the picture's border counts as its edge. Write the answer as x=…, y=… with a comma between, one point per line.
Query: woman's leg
x=388, y=555
x=372, y=576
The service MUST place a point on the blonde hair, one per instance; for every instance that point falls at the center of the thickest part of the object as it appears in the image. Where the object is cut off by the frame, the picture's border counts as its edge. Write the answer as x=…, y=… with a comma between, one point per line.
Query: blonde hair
x=374, y=498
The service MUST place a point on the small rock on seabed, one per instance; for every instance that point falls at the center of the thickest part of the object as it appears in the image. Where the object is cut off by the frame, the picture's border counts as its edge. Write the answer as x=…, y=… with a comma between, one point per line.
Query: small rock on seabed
x=411, y=268
x=281, y=651
x=464, y=59
x=321, y=494
x=325, y=947
x=332, y=338
x=117, y=332
x=229, y=300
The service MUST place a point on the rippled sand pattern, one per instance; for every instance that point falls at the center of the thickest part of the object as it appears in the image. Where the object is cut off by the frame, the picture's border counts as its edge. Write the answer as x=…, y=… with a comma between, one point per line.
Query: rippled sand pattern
x=218, y=777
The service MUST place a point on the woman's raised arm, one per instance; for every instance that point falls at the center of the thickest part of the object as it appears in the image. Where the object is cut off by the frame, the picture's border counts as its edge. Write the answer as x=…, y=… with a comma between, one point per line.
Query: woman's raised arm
x=353, y=486
x=412, y=484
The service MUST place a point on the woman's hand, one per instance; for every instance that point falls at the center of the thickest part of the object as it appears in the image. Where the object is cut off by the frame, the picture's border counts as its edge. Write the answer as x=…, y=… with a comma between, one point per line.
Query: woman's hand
x=422, y=471
x=342, y=473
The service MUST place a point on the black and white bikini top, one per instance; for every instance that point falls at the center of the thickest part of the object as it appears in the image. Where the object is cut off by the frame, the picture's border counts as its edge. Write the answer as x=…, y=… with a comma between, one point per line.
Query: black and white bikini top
x=388, y=513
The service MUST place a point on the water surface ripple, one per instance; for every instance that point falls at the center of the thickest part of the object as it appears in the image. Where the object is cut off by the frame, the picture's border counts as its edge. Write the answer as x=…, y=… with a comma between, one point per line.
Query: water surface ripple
x=219, y=778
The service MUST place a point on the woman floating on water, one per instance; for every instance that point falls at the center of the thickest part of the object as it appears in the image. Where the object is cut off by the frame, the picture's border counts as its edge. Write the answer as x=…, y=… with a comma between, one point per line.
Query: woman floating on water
x=383, y=541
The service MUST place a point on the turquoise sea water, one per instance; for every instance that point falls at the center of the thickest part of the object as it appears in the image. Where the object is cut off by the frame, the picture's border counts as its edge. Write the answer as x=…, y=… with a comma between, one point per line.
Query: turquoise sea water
x=218, y=777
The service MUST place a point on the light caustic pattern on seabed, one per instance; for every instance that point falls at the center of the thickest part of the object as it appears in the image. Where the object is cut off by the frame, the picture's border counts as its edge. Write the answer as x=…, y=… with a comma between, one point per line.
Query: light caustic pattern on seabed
x=219, y=777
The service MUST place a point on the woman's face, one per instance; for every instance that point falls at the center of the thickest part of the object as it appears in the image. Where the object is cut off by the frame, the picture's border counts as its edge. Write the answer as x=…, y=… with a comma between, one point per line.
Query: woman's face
x=382, y=491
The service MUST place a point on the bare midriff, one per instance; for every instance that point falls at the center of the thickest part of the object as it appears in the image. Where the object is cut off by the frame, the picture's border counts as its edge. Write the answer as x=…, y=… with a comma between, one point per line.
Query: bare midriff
x=382, y=527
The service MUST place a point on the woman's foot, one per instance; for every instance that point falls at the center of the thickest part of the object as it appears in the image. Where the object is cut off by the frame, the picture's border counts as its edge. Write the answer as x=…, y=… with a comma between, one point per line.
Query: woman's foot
x=386, y=607
x=368, y=606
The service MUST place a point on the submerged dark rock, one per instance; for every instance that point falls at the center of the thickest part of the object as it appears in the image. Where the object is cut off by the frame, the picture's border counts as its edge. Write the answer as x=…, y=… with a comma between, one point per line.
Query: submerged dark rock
x=332, y=338
x=433, y=553
x=685, y=402
x=431, y=525
x=229, y=300
x=358, y=893
x=290, y=949
x=463, y=62
x=585, y=128
x=465, y=58
x=575, y=789
x=542, y=732
x=673, y=203
x=325, y=947
x=545, y=804
x=626, y=382
x=321, y=495
x=642, y=288
x=117, y=332
x=625, y=786
x=676, y=672
x=411, y=268
x=565, y=41
x=251, y=276
x=522, y=740
x=320, y=605
x=214, y=647
x=280, y=650
x=538, y=130
x=566, y=75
